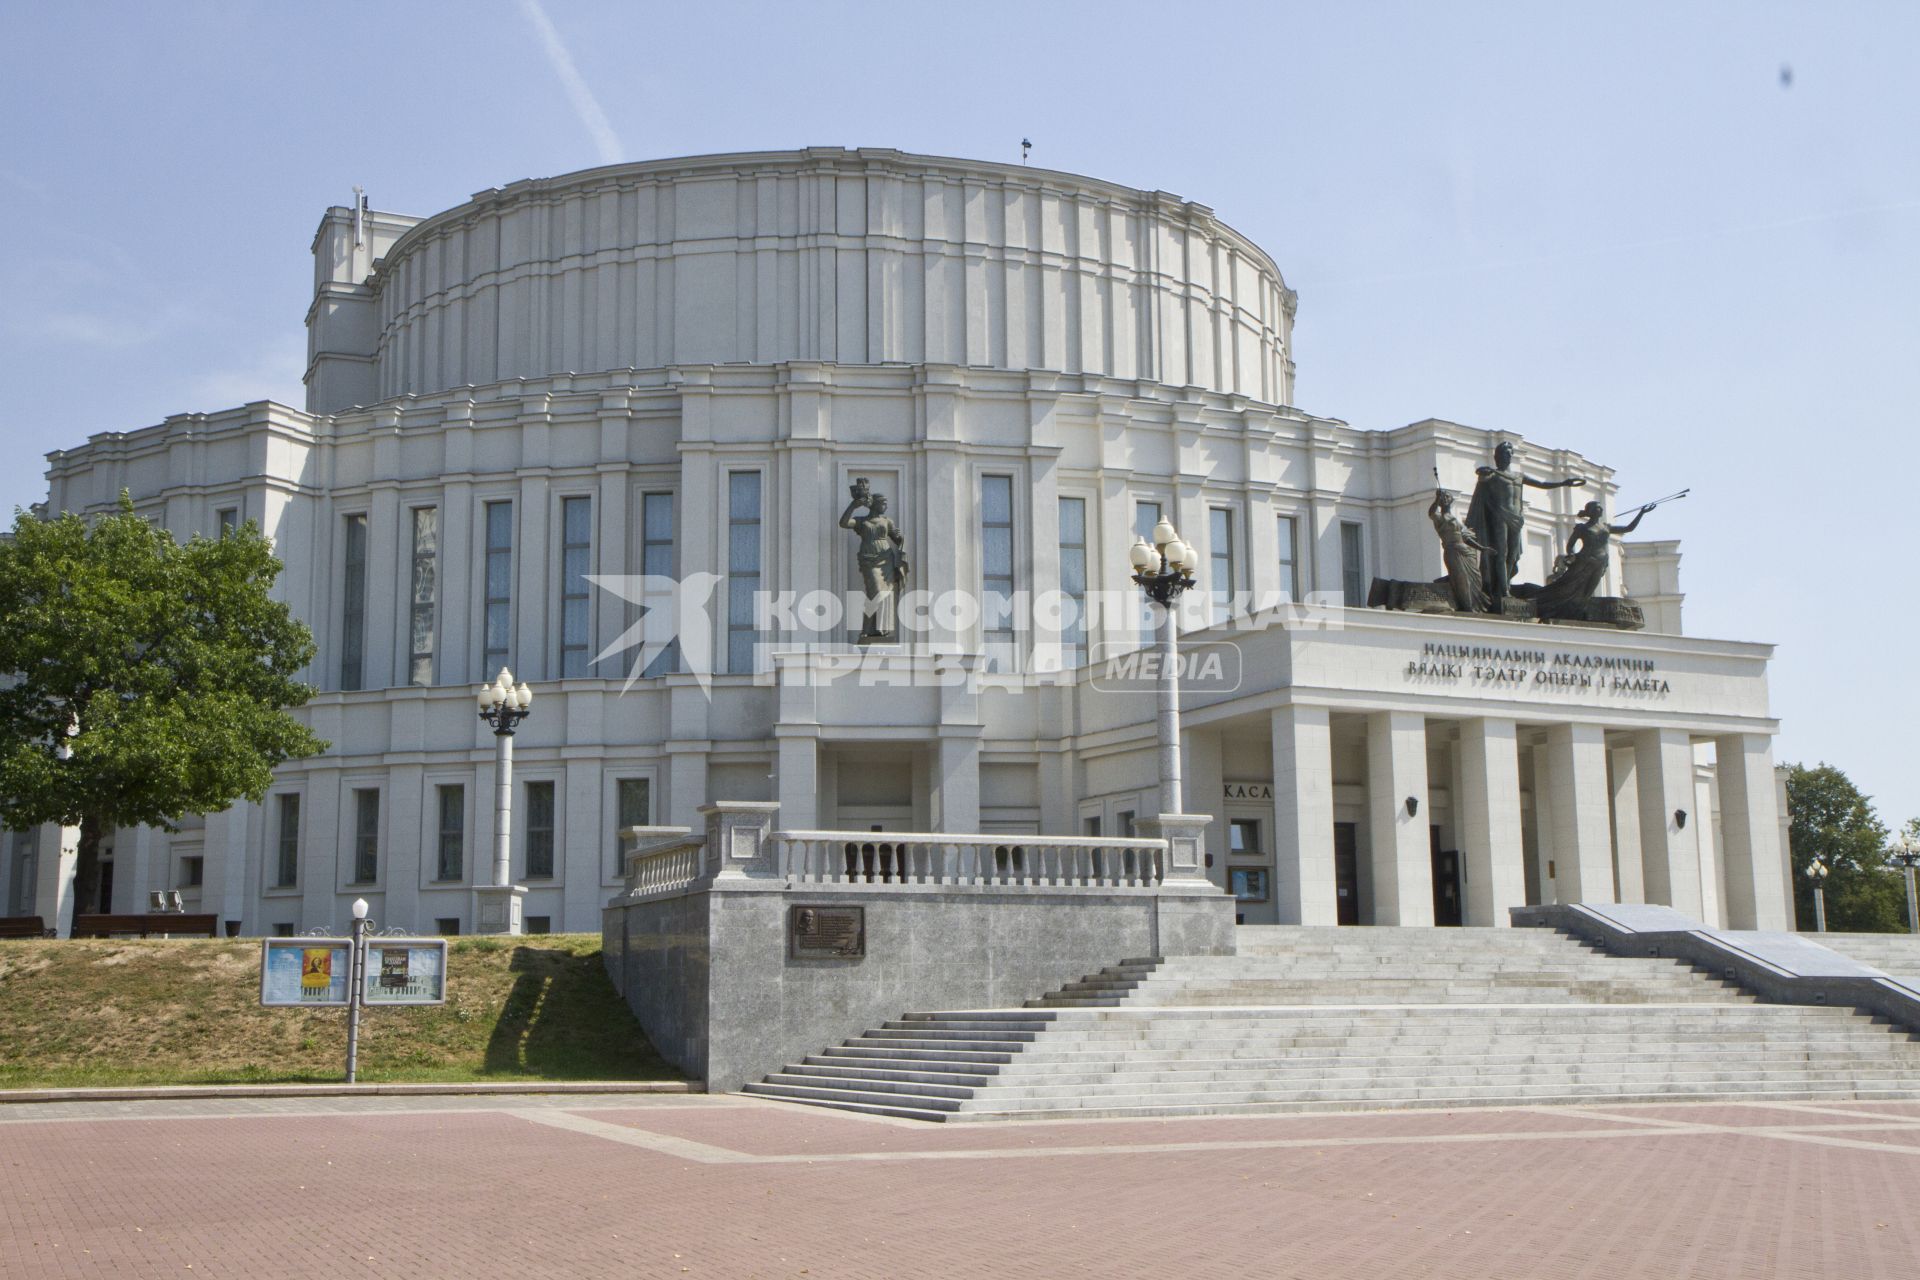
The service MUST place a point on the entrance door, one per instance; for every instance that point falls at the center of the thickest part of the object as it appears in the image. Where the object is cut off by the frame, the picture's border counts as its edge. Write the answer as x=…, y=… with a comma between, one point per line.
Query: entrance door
x=1446, y=884
x=1346, y=872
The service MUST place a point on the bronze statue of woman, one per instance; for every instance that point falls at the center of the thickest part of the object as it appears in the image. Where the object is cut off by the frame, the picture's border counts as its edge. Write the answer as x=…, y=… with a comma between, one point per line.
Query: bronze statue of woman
x=882, y=559
x=1461, y=551
x=1577, y=575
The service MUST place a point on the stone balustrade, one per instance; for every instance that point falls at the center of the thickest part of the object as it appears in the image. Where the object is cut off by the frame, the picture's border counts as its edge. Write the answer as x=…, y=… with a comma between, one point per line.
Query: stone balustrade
x=999, y=861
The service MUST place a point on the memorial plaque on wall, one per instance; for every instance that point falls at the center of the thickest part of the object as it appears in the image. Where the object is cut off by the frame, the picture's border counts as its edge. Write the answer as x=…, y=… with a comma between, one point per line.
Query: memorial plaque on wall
x=826, y=933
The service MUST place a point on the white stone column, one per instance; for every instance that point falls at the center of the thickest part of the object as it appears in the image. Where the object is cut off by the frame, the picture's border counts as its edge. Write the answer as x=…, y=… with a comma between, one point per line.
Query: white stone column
x=1401, y=850
x=54, y=865
x=956, y=780
x=1757, y=897
x=1663, y=773
x=1489, y=814
x=1628, y=865
x=1581, y=835
x=1303, y=888
x=799, y=780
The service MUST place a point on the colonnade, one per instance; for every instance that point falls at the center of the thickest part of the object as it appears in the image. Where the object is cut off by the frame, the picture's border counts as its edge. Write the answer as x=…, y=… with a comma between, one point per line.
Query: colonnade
x=1612, y=818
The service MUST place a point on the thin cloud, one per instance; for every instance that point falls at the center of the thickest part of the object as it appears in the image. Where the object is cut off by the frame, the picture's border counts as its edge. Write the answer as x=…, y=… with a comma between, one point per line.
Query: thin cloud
x=585, y=105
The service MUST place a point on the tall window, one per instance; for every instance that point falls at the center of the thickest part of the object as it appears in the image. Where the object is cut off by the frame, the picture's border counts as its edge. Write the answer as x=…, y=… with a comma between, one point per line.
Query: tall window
x=366, y=835
x=1289, y=559
x=353, y=605
x=451, y=863
x=426, y=594
x=633, y=807
x=286, y=865
x=743, y=566
x=996, y=571
x=1221, y=576
x=229, y=518
x=1145, y=516
x=21, y=884
x=1353, y=563
x=656, y=561
x=498, y=623
x=1073, y=580
x=539, y=830
x=576, y=551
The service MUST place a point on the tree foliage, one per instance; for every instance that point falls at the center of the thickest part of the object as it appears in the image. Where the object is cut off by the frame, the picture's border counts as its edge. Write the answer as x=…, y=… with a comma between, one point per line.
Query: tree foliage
x=145, y=679
x=1829, y=819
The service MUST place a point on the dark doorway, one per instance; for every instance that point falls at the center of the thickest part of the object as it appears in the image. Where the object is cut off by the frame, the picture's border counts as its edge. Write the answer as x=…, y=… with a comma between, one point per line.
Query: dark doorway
x=1346, y=872
x=103, y=897
x=1446, y=884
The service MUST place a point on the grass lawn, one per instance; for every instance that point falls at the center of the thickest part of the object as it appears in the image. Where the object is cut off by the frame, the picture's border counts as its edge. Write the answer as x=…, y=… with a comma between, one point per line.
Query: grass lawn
x=188, y=1012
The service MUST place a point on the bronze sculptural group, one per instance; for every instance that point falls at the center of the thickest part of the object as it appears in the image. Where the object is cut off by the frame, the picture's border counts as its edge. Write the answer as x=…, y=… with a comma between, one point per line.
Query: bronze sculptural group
x=1482, y=553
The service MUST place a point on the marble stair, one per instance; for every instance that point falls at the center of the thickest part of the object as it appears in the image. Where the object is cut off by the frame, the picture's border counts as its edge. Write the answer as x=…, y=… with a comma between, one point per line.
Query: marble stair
x=1341, y=1019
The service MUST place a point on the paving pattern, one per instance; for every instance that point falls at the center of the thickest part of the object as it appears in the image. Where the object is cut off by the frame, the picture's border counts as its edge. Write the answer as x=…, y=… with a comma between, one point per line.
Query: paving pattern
x=734, y=1187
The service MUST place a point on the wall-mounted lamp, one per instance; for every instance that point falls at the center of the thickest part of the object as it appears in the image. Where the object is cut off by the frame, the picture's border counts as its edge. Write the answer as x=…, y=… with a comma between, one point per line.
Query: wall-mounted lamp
x=1413, y=805
x=1680, y=819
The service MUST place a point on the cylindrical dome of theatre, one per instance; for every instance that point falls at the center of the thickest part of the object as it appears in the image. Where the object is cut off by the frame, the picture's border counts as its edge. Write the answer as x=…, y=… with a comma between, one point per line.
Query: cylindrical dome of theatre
x=856, y=257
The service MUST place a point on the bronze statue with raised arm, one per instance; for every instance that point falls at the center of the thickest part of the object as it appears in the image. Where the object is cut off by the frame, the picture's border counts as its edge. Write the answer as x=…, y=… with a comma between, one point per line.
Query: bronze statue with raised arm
x=1461, y=552
x=882, y=559
x=1498, y=516
x=1578, y=573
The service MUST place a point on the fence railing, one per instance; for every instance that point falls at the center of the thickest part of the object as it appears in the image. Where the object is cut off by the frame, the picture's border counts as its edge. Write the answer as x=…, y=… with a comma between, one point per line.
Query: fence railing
x=936, y=858
x=662, y=859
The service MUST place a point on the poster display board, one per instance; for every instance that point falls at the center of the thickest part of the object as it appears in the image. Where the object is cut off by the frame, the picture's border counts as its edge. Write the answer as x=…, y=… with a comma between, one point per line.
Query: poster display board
x=406, y=971
x=305, y=971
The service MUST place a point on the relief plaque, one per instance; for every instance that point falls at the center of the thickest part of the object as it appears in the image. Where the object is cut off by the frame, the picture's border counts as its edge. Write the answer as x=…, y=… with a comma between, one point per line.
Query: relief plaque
x=826, y=933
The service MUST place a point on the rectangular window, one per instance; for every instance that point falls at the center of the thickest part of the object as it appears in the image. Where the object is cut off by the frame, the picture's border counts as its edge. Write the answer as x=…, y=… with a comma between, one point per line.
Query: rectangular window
x=1073, y=581
x=996, y=572
x=539, y=830
x=447, y=926
x=1090, y=826
x=1125, y=819
x=576, y=561
x=633, y=807
x=426, y=594
x=283, y=929
x=1289, y=553
x=539, y=924
x=366, y=835
x=22, y=885
x=498, y=623
x=1221, y=573
x=229, y=520
x=743, y=567
x=656, y=561
x=286, y=866
x=451, y=862
x=1145, y=516
x=1353, y=564
x=193, y=872
x=353, y=605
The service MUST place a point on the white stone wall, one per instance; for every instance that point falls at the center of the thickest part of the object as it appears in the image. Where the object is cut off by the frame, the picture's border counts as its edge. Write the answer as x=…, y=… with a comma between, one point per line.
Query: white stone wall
x=855, y=257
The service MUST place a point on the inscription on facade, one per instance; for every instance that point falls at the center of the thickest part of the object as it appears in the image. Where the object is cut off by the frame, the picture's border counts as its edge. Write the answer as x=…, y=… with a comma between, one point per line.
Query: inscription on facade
x=826, y=933
x=1536, y=670
x=1249, y=790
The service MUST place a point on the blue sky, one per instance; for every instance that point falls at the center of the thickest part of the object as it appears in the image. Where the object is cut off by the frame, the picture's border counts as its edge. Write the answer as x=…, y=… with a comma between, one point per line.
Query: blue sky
x=1619, y=228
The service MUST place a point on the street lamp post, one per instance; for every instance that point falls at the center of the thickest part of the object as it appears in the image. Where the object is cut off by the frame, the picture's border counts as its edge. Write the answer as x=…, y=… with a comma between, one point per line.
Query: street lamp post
x=1164, y=570
x=356, y=987
x=1817, y=872
x=503, y=705
x=1907, y=854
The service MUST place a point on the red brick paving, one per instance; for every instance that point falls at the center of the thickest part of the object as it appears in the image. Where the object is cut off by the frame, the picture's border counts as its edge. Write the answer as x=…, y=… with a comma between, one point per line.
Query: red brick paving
x=483, y=1193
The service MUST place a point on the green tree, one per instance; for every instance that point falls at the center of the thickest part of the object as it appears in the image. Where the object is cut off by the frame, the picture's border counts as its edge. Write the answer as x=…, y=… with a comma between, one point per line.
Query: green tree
x=144, y=679
x=1829, y=819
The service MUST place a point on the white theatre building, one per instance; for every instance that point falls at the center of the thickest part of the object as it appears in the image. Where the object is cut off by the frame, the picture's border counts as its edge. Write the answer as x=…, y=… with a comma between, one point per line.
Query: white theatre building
x=679, y=367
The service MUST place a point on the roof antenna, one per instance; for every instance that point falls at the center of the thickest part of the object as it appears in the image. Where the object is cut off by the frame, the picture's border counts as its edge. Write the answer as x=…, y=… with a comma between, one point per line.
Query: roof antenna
x=359, y=216
x=1026, y=145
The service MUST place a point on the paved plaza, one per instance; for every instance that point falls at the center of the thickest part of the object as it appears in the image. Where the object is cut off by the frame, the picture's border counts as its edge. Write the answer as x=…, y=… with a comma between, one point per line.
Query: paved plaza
x=734, y=1187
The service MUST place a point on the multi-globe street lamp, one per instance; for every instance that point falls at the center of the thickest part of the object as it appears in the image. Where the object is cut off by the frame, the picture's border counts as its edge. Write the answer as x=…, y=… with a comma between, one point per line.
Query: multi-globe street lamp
x=1817, y=872
x=1907, y=854
x=503, y=705
x=1164, y=570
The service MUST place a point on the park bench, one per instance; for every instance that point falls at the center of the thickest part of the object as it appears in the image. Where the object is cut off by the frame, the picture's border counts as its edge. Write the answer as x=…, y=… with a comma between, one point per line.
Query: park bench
x=146, y=925
x=22, y=927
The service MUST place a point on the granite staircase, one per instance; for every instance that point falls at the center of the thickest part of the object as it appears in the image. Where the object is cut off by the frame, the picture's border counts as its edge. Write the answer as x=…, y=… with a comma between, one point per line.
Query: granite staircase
x=1339, y=1019
x=1894, y=954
